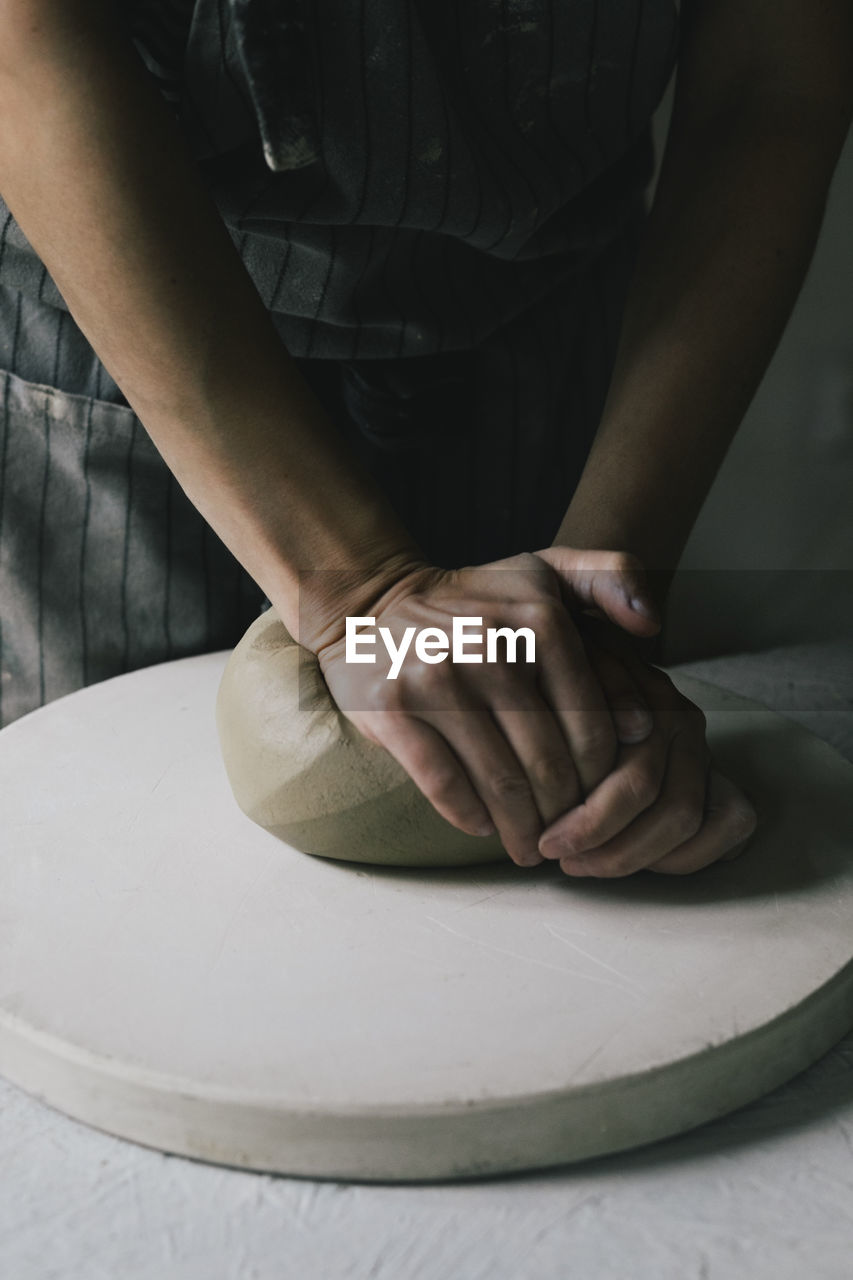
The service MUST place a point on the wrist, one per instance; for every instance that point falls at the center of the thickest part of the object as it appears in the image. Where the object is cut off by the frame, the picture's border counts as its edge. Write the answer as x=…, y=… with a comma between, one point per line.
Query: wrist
x=325, y=598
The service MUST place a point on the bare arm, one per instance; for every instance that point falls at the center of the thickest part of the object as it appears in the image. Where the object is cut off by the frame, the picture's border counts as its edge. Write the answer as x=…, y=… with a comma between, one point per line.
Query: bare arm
x=95, y=170
x=763, y=101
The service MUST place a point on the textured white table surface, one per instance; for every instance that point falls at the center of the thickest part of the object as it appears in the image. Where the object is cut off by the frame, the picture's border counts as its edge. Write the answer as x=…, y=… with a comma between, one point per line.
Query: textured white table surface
x=766, y=1192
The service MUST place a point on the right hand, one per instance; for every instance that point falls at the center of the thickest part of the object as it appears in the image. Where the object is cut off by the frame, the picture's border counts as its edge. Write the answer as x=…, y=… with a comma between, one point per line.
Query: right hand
x=663, y=807
x=501, y=746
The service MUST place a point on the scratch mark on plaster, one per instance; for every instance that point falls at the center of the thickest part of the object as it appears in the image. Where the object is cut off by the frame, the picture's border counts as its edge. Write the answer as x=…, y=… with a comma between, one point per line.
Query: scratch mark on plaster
x=591, y=1057
x=160, y=779
x=595, y=960
x=528, y=959
x=466, y=906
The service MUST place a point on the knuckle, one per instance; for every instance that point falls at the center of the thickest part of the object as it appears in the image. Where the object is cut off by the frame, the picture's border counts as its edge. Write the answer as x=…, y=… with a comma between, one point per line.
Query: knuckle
x=424, y=677
x=685, y=821
x=440, y=782
x=553, y=771
x=596, y=741
x=427, y=689
x=512, y=788
x=543, y=615
x=388, y=695
x=641, y=787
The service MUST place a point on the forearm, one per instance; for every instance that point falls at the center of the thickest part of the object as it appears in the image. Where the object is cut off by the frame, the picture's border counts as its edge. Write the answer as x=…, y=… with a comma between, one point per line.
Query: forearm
x=93, y=167
x=728, y=241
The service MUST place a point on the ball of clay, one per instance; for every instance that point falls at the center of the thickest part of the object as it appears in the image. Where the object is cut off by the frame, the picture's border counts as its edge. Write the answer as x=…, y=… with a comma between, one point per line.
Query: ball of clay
x=299, y=769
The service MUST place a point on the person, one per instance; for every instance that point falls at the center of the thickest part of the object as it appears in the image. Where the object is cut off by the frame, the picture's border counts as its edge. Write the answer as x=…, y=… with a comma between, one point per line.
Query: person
x=347, y=306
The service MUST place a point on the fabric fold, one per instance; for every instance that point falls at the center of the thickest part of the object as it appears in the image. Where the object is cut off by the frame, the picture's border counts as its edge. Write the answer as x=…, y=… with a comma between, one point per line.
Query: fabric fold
x=272, y=39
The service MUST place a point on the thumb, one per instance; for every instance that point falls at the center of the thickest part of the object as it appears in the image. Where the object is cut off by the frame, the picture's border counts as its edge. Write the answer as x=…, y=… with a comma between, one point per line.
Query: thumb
x=613, y=581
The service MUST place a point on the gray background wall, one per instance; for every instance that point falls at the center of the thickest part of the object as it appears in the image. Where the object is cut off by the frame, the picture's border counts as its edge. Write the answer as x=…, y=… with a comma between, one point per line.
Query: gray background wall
x=770, y=560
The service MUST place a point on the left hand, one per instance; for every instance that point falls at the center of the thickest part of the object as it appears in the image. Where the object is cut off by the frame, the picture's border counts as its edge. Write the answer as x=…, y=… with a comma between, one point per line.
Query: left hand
x=663, y=807
x=508, y=746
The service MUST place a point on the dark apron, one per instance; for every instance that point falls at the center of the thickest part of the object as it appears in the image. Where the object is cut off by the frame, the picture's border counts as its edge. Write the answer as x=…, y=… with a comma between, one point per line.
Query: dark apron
x=488, y=225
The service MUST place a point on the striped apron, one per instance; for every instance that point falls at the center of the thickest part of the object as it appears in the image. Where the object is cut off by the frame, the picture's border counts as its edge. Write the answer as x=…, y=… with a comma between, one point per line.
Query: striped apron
x=439, y=204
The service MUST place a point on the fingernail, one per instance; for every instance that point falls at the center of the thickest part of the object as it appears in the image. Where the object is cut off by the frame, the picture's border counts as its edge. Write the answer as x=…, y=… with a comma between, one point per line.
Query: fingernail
x=532, y=860
x=633, y=721
x=557, y=849
x=486, y=829
x=643, y=608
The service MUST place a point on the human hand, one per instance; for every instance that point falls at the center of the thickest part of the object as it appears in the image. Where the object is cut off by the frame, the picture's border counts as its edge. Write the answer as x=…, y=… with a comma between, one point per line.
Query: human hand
x=505, y=746
x=663, y=807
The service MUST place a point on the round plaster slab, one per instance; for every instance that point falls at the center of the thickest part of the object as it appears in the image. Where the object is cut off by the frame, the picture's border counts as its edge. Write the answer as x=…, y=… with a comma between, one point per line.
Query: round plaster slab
x=173, y=974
